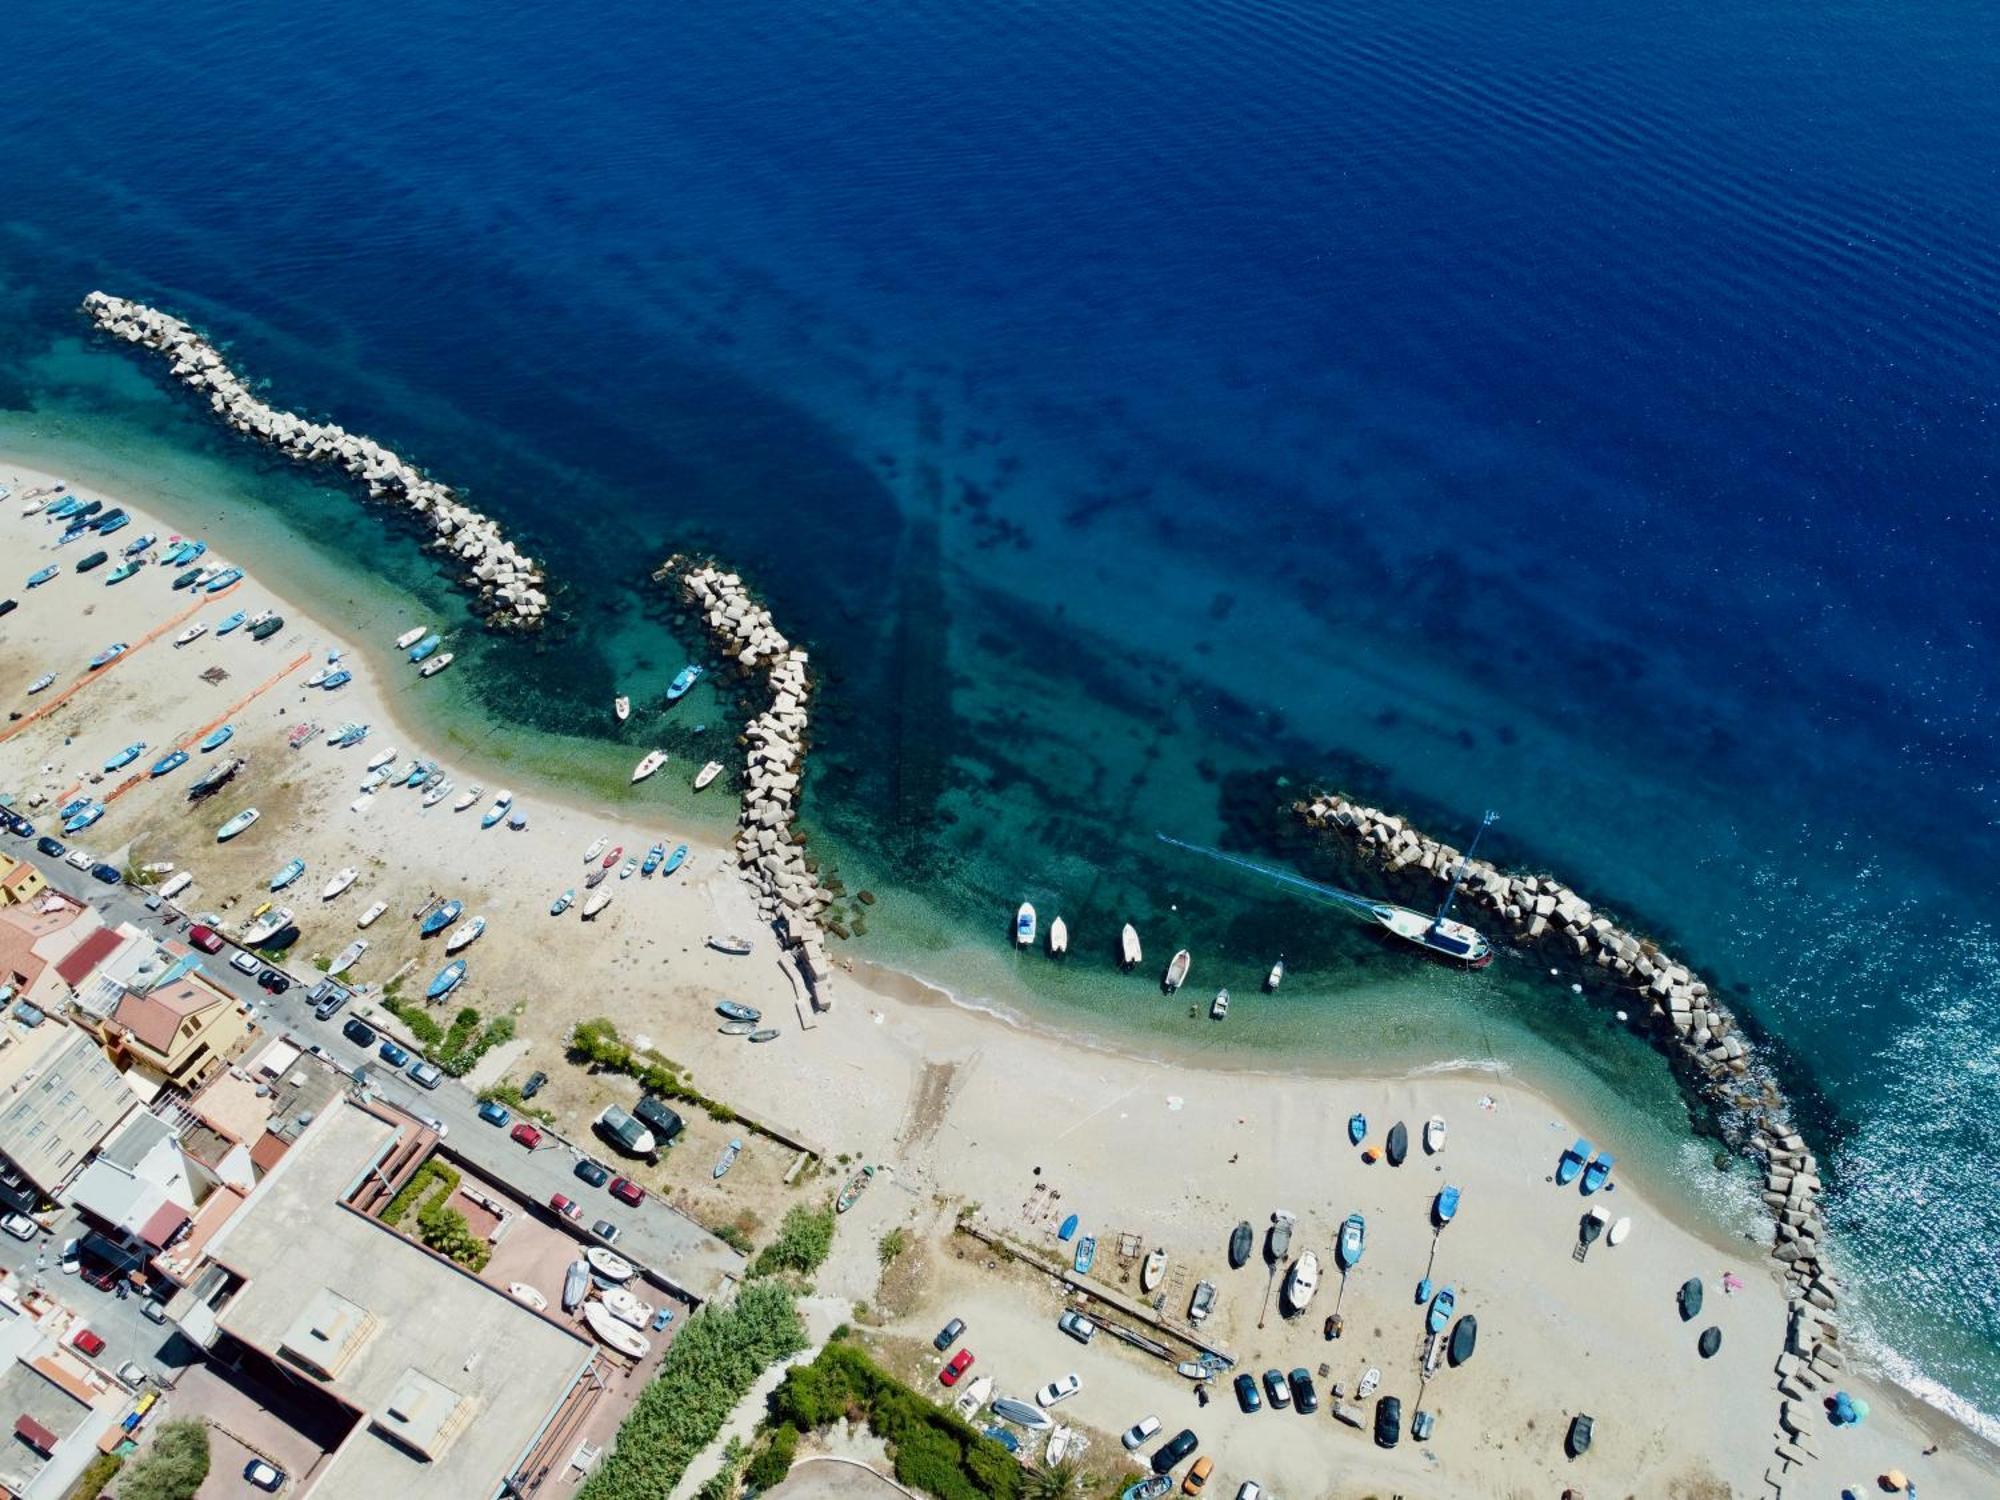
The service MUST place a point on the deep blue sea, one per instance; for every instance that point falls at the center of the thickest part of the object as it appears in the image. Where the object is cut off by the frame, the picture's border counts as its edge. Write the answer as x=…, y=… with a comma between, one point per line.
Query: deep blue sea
x=1584, y=410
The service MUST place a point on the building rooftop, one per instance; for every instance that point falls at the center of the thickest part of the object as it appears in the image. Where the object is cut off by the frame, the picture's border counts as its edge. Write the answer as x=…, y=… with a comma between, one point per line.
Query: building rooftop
x=155, y=1016
x=76, y=965
x=455, y=1379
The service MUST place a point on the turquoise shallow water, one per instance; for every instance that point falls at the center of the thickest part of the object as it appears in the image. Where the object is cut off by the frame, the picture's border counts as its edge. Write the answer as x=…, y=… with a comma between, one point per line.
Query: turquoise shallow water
x=1584, y=412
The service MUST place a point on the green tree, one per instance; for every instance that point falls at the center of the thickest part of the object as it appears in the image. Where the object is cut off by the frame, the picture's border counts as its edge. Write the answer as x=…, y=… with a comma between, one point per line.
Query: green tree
x=172, y=1468
x=769, y=1468
x=803, y=1241
x=1061, y=1480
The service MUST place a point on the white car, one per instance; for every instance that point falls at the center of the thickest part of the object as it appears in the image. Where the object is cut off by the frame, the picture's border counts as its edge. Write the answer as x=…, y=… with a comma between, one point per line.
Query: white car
x=78, y=858
x=71, y=1260
x=1137, y=1434
x=245, y=963
x=1251, y=1490
x=1059, y=1390
x=20, y=1226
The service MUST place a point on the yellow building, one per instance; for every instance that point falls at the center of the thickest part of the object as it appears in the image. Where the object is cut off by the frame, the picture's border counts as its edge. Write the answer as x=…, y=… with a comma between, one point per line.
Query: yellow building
x=20, y=882
x=182, y=1033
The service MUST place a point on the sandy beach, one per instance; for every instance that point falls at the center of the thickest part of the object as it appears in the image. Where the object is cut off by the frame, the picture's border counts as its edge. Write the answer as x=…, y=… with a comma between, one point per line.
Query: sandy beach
x=1015, y=1123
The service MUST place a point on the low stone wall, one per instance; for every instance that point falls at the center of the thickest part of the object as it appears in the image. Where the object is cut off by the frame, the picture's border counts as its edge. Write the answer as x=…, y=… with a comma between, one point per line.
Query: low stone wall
x=507, y=583
x=767, y=846
x=1697, y=1031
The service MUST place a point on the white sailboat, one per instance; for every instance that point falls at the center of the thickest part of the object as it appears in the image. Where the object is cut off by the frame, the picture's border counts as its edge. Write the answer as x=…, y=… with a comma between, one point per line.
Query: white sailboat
x=653, y=761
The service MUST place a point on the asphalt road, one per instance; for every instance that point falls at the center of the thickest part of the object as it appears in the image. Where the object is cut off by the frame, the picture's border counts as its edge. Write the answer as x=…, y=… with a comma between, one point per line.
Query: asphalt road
x=653, y=1236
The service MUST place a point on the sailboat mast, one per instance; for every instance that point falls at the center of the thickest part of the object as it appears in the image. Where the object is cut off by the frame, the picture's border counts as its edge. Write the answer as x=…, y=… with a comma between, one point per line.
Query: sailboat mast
x=1458, y=869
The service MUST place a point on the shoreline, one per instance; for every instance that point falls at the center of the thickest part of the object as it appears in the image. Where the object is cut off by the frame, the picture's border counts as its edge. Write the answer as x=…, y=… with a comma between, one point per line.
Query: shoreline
x=904, y=992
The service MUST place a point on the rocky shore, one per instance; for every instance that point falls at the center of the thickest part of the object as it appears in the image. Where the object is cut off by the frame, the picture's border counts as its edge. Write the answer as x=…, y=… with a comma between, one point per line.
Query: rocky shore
x=769, y=849
x=1698, y=1032
x=507, y=584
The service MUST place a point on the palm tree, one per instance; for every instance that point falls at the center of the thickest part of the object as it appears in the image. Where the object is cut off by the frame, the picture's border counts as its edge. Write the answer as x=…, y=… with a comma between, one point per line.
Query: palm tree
x=1061, y=1480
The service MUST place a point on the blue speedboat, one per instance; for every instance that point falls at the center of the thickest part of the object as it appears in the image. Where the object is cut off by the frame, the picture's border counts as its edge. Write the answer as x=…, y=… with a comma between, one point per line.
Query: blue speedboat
x=1357, y=1128
x=286, y=876
x=1446, y=1207
x=218, y=739
x=117, y=521
x=339, y=679
x=498, y=810
x=420, y=773
x=223, y=579
x=232, y=622
x=140, y=544
x=426, y=646
x=71, y=808
x=170, y=762
x=447, y=980
x=42, y=576
x=684, y=679
x=653, y=857
x=675, y=860
x=108, y=655
x=120, y=573
x=186, y=552
x=67, y=506
x=1353, y=1240
x=1441, y=1306
x=84, y=817
x=442, y=918
x=1571, y=1162
x=126, y=756
x=1595, y=1174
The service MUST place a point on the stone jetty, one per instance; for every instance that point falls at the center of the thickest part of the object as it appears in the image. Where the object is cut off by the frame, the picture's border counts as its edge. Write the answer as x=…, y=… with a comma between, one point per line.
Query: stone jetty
x=769, y=849
x=1682, y=1013
x=507, y=583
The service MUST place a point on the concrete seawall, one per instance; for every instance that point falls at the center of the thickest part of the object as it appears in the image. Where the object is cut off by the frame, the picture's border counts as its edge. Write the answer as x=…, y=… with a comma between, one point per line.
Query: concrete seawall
x=507, y=584
x=1684, y=1016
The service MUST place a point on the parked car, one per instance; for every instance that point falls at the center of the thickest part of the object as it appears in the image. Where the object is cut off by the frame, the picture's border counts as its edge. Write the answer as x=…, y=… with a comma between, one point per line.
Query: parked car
x=436, y=1126
x=71, y=1260
x=525, y=1134
x=426, y=1074
x=494, y=1113
x=662, y=1317
x=1137, y=1435
x=20, y=1226
x=329, y=1003
x=1274, y=1387
x=1250, y=1489
x=1059, y=1390
x=960, y=1363
x=109, y=874
x=264, y=1476
x=394, y=1055
x=1388, y=1422
x=567, y=1207
x=593, y=1172
x=1303, y=1395
x=1174, y=1449
x=948, y=1335
x=78, y=859
x=244, y=962
x=153, y=1312
x=275, y=982
x=537, y=1081
x=208, y=940
x=1197, y=1479
x=358, y=1032
x=51, y=846
x=625, y=1190
x=87, y=1343
x=1077, y=1326
x=132, y=1373
x=1247, y=1395
x=605, y=1230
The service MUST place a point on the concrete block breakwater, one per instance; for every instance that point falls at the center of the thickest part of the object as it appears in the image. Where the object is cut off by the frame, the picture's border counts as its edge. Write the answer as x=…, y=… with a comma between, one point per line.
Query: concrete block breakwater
x=507, y=583
x=1696, y=1029
x=767, y=847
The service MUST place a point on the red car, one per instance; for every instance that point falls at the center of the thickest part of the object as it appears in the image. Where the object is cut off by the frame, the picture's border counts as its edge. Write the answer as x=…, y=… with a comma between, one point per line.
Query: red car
x=527, y=1135
x=960, y=1363
x=568, y=1208
x=205, y=938
x=625, y=1190
x=87, y=1341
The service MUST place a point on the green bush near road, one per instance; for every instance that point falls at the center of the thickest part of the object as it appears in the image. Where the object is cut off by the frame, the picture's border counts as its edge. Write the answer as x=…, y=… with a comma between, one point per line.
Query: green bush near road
x=457, y=1049
x=172, y=1468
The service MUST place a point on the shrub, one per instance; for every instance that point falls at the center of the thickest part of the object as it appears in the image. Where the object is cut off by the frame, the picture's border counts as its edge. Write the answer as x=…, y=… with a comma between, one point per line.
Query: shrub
x=769, y=1468
x=444, y=1229
x=96, y=1477
x=423, y=1181
x=891, y=1245
x=173, y=1468
x=802, y=1243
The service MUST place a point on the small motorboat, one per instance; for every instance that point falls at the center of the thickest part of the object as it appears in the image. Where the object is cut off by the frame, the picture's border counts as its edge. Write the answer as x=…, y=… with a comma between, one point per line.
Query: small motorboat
x=216, y=777
x=1441, y=1309
x=607, y=1264
x=1022, y=1414
x=856, y=1186
x=1434, y=1135
x=527, y=1296
x=610, y=860
x=1597, y=1173
x=1067, y=1230
x=684, y=679
x=382, y=760
x=436, y=665
x=108, y=655
x=110, y=521
x=610, y=1330
x=440, y=918
x=736, y=1028
x=173, y=760
x=236, y=825
x=627, y=870
x=1058, y=938
x=66, y=506
x=291, y=872
x=411, y=636
x=497, y=811
x=1592, y=1226
x=562, y=903
x=1278, y=1242
x=1024, y=926
x=438, y=793
x=1445, y=1206
x=1689, y=1299
x=373, y=780
x=1577, y=1442
x=674, y=860
x=734, y=946
x=466, y=936
x=217, y=738
x=186, y=553
x=1571, y=1162
x=1202, y=1303
x=368, y=917
x=84, y=817
x=233, y=622
x=1152, y=1487
x=1301, y=1282
x=736, y=1011
x=347, y=958
x=625, y=1307
x=267, y=925
x=425, y=647
x=973, y=1396
x=1177, y=971
x=419, y=771
x=653, y=857
x=652, y=762
x=264, y=629
x=1616, y=1234
x=1242, y=1241
x=768, y=1034
x=727, y=1159
x=1398, y=1149
x=339, y=883
x=224, y=579
x=707, y=774
x=447, y=980
x=126, y=756
x=596, y=904
x=42, y=575
x=622, y=707
x=1277, y=975
x=1463, y=1337
x=1371, y=1380
x=1219, y=1006
x=1357, y=1128
x=194, y=632
x=576, y=1285
x=467, y=797
x=42, y=683
x=1353, y=1240
x=1129, y=953
x=596, y=848
x=141, y=543
x=1153, y=1269
x=338, y=680
x=120, y=573
x=188, y=579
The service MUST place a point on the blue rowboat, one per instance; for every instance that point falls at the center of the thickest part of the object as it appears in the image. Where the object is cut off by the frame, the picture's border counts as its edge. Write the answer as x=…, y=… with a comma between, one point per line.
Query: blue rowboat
x=684, y=679
x=232, y=622
x=442, y=918
x=653, y=857
x=217, y=740
x=1086, y=1254
x=140, y=544
x=286, y=876
x=1357, y=1128
x=562, y=903
x=236, y=825
x=118, y=521
x=126, y=756
x=1571, y=1162
x=170, y=762
x=447, y=980
x=223, y=579
x=108, y=655
x=426, y=646
x=42, y=576
x=1353, y=1240
x=66, y=506
x=1441, y=1306
x=339, y=679
x=419, y=773
x=675, y=860
x=186, y=552
x=1446, y=1207
x=1595, y=1174
x=1068, y=1229
x=84, y=818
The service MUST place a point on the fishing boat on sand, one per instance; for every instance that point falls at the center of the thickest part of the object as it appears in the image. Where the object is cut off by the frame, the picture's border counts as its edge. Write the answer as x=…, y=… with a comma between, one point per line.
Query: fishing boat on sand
x=1353, y=1240
x=440, y=918
x=1202, y=1303
x=617, y=853
x=684, y=679
x=1153, y=1269
x=596, y=848
x=654, y=759
x=1434, y=1135
x=466, y=936
x=728, y=1159
x=339, y=679
x=596, y=904
x=368, y=917
x=1445, y=1208
x=1571, y=1162
x=411, y=636
x=1242, y=1240
x=172, y=760
x=140, y=543
x=42, y=575
x=217, y=738
x=232, y=622
x=264, y=629
x=1024, y=926
x=236, y=825
x=1152, y=1487
x=576, y=1284
x=736, y=1028
x=126, y=756
x=224, y=579
x=653, y=857
x=292, y=871
x=467, y=797
x=674, y=860
x=447, y=980
x=734, y=946
x=1597, y=1173
x=1357, y=1128
x=42, y=683
x=194, y=632
x=608, y=1265
x=108, y=655
x=1398, y=1148
x=562, y=903
x=856, y=1186
x=120, y=573
x=84, y=817
x=620, y=1336
x=627, y=870
x=1177, y=971
x=438, y=793
x=187, y=580
x=267, y=926
x=735, y=1010
x=1441, y=1308
x=1085, y=1256
x=1301, y=1282
x=498, y=810
x=707, y=774
x=768, y=1034
x=339, y=883
x=347, y=958
x=382, y=759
